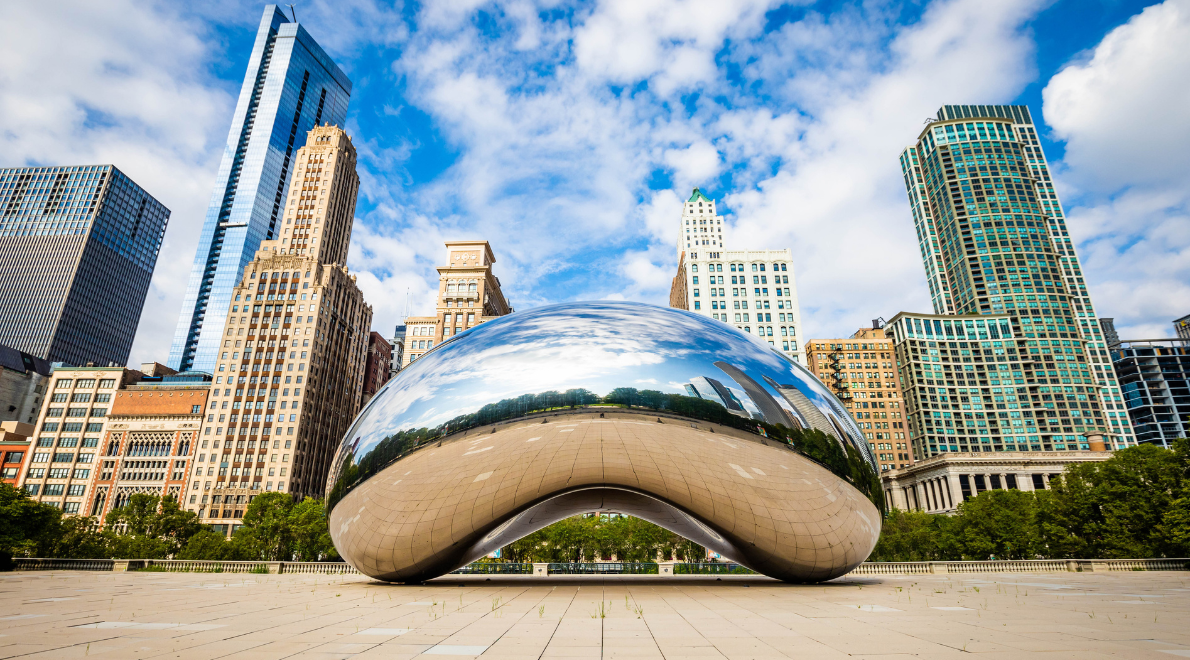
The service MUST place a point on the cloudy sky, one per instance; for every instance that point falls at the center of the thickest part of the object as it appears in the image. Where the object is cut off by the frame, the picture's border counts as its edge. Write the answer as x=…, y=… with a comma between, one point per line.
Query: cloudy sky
x=566, y=133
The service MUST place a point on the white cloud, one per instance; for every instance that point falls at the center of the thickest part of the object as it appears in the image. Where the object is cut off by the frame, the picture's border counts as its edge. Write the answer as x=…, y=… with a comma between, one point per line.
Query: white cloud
x=1125, y=174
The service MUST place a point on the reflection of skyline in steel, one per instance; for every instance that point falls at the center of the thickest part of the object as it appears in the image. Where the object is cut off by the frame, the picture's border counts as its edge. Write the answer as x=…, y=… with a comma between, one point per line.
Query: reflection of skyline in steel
x=599, y=347
x=484, y=417
x=713, y=390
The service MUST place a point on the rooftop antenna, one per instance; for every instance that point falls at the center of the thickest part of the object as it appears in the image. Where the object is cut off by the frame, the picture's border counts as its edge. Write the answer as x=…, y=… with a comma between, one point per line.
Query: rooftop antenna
x=292, y=13
x=403, y=318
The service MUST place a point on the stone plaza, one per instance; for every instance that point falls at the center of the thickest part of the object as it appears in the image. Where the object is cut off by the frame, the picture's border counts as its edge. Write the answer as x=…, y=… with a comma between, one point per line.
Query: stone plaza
x=62, y=614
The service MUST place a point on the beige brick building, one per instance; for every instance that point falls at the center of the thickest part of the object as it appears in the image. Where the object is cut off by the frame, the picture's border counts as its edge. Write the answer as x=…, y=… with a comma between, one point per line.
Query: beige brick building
x=150, y=438
x=469, y=293
x=290, y=371
x=59, y=470
x=861, y=371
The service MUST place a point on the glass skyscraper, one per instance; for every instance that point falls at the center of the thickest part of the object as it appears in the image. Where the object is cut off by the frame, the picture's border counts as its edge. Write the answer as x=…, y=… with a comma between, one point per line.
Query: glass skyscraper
x=994, y=240
x=77, y=250
x=291, y=86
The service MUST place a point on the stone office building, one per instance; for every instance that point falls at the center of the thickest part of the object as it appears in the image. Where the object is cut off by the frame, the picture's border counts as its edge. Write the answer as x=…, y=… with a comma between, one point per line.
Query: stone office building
x=940, y=483
x=469, y=293
x=290, y=365
x=861, y=371
x=149, y=440
x=69, y=428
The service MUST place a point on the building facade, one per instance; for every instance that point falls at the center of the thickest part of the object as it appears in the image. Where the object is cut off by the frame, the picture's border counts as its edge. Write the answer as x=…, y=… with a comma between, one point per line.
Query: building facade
x=994, y=241
x=291, y=86
x=754, y=290
x=1108, y=327
x=861, y=372
x=1155, y=378
x=973, y=384
x=469, y=293
x=77, y=250
x=149, y=440
x=15, y=441
x=291, y=362
x=23, y=382
x=59, y=469
x=379, y=365
x=940, y=483
x=1181, y=328
x=398, y=350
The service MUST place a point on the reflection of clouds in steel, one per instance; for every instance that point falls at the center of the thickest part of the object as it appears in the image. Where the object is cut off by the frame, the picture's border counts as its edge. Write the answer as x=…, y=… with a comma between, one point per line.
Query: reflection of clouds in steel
x=596, y=346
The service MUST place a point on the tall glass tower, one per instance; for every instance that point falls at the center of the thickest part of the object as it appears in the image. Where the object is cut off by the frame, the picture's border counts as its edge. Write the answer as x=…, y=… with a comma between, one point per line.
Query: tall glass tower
x=994, y=240
x=291, y=86
x=77, y=250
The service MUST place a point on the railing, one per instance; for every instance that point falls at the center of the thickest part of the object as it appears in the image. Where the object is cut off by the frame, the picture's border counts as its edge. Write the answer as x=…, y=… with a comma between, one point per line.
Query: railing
x=605, y=568
x=494, y=568
x=712, y=568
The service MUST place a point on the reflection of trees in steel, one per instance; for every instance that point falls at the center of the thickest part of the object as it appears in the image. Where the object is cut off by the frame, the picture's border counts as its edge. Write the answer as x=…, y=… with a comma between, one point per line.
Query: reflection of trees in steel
x=824, y=448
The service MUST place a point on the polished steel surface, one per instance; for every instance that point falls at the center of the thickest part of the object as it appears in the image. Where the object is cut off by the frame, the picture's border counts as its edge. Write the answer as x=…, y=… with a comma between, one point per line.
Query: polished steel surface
x=671, y=416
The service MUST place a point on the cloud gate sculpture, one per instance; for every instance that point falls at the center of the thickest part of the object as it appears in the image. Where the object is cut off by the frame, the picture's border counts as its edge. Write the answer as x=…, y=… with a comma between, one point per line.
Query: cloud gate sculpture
x=607, y=406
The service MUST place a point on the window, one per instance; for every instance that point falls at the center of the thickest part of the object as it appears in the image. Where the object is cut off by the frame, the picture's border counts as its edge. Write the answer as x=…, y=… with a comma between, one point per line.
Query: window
x=76, y=490
x=63, y=383
x=54, y=489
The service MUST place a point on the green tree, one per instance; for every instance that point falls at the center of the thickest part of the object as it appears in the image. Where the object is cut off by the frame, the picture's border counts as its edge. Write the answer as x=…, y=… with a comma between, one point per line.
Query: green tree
x=209, y=545
x=311, y=535
x=149, y=527
x=998, y=524
x=910, y=536
x=27, y=528
x=267, y=533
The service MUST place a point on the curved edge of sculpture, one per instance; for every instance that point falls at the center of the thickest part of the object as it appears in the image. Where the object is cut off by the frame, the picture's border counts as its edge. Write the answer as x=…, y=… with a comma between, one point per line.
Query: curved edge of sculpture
x=658, y=413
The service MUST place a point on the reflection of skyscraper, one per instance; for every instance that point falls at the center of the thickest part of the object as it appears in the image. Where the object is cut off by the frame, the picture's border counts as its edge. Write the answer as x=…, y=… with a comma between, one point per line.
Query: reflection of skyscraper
x=291, y=87
x=712, y=390
x=770, y=410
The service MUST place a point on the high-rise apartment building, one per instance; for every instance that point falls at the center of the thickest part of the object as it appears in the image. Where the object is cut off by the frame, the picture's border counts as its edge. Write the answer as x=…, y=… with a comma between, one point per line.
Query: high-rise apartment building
x=754, y=290
x=23, y=382
x=379, y=366
x=1155, y=377
x=469, y=293
x=994, y=240
x=861, y=371
x=291, y=359
x=149, y=440
x=77, y=250
x=291, y=86
x=69, y=428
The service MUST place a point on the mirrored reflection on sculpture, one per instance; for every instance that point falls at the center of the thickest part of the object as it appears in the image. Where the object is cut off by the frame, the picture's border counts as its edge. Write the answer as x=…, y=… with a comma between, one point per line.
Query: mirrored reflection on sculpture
x=606, y=406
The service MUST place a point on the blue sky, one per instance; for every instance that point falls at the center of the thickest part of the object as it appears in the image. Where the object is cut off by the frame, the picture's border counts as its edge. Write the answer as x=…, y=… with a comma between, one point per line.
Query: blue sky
x=567, y=134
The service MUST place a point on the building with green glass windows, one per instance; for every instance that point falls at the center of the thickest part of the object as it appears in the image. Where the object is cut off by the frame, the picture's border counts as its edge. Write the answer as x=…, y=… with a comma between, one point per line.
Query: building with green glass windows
x=1013, y=358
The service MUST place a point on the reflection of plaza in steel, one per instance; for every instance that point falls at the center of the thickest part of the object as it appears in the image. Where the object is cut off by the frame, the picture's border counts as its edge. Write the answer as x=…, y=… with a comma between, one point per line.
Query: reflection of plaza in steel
x=654, y=412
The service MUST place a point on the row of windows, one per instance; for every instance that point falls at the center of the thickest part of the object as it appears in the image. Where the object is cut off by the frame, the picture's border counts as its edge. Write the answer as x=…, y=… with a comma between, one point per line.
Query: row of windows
x=739, y=268
x=86, y=383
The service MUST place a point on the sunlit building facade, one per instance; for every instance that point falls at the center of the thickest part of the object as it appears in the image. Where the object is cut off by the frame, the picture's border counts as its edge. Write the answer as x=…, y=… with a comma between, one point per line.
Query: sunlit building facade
x=753, y=290
x=291, y=86
x=994, y=242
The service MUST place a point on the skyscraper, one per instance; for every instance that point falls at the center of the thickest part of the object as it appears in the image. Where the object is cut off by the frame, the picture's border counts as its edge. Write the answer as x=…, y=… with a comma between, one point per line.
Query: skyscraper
x=77, y=250
x=290, y=366
x=995, y=244
x=291, y=86
x=751, y=305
